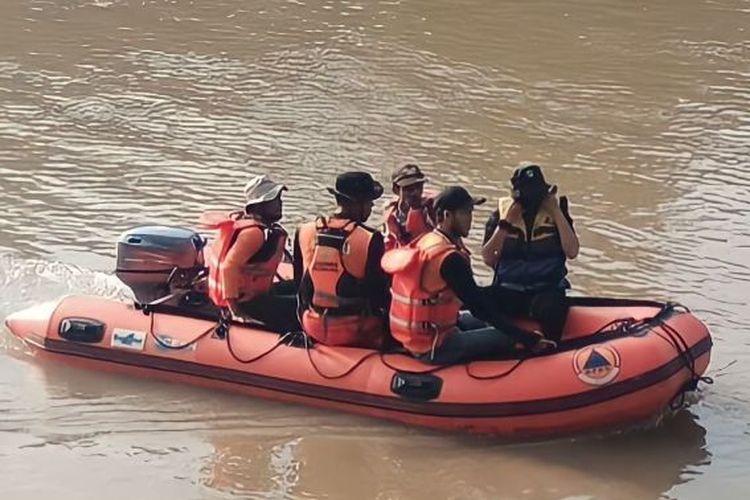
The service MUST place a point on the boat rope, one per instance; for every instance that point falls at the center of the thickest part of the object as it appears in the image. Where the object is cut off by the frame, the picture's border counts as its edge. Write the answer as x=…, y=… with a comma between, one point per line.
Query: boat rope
x=616, y=328
x=494, y=376
x=682, y=347
x=308, y=345
x=674, y=338
x=282, y=340
x=222, y=330
x=620, y=327
x=426, y=371
x=163, y=344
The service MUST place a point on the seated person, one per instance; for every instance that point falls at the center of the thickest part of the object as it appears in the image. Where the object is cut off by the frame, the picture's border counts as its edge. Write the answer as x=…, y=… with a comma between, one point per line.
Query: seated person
x=243, y=259
x=342, y=289
x=527, y=242
x=411, y=215
x=432, y=279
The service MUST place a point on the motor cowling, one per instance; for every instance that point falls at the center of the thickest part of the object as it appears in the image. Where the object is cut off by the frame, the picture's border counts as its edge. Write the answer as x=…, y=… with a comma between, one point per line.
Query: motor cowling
x=155, y=261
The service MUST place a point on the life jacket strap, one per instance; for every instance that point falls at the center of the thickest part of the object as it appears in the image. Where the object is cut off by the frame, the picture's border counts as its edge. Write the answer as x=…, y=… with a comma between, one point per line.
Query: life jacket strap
x=425, y=326
x=434, y=300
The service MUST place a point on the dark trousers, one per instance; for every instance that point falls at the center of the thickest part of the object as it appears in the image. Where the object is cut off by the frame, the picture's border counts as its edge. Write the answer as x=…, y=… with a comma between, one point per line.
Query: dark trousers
x=277, y=309
x=547, y=307
x=474, y=341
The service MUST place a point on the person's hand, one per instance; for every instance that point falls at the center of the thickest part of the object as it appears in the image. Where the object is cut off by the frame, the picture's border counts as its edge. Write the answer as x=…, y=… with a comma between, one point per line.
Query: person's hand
x=550, y=203
x=514, y=212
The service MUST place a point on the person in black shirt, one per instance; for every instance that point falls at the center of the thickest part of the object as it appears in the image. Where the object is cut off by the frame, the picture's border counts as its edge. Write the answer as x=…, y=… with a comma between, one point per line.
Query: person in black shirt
x=432, y=282
x=343, y=290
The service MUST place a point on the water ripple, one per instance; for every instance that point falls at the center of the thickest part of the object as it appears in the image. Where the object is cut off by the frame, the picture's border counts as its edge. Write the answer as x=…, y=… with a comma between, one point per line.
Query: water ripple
x=116, y=113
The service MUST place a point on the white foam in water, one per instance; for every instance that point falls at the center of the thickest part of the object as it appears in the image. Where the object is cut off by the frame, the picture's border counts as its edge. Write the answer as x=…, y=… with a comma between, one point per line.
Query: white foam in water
x=24, y=282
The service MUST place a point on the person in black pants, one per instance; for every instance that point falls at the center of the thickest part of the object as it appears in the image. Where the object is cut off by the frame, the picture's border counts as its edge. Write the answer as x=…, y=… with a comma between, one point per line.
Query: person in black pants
x=527, y=243
x=432, y=281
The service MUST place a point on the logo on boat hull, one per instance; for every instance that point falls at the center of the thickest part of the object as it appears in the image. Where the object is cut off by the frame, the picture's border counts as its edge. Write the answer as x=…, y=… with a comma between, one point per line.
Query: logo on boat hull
x=128, y=339
x=597, y=365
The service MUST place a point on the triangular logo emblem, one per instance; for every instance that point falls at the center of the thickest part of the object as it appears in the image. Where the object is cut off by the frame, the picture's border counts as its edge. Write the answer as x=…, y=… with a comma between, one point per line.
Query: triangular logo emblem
x=596, y=361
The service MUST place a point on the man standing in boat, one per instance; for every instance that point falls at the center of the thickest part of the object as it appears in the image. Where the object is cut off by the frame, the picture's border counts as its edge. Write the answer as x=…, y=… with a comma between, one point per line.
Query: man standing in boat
x=343, y=291
x=411, y=215
x=527, y=242
x=432, y=279
x=243, y=260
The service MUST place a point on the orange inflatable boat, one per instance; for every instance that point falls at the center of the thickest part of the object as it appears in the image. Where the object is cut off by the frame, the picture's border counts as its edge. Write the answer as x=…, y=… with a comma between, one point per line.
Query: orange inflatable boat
x=621, y=362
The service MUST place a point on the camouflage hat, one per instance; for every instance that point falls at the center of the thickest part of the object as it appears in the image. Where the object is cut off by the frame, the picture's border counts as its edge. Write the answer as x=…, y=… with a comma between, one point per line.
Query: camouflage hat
x=408, y=175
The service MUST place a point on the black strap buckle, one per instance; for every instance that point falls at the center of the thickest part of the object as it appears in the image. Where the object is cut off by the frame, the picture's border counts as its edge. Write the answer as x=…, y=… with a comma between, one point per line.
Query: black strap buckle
x=222, y=327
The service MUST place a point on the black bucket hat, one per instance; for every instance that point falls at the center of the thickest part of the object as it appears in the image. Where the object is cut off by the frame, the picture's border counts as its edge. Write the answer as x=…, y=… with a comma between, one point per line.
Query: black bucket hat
x=357, y=186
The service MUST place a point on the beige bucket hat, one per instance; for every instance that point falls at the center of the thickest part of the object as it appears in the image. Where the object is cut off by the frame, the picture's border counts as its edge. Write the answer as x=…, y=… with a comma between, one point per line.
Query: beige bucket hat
x=261, y=189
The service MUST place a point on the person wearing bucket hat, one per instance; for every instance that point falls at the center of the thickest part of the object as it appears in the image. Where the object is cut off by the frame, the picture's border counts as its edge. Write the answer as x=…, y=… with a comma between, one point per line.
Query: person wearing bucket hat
x=243, y=259
x=432, y=280
x=343, y=291
x=527, y=242
x=411, y=214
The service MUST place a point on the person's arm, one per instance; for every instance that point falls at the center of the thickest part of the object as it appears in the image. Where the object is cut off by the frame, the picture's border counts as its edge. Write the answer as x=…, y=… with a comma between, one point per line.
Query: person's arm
x=302, y=283
x=297, y=260
x=494, y=237
x=496, y=230
x=231, y=268
x=490, y=226
x=377, y=281
x=458, y=275
x=568, y=238
x=429, y=207
x=392, y=227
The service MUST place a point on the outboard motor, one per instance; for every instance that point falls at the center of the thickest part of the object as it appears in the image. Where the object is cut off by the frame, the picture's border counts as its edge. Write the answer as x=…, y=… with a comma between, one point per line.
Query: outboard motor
x=156, y=261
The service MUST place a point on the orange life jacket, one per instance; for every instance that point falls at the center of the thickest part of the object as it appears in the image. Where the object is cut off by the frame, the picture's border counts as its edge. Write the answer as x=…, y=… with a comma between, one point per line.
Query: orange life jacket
x=418, y=222
x=258, y=274
x=424, y=310
x=334, y=259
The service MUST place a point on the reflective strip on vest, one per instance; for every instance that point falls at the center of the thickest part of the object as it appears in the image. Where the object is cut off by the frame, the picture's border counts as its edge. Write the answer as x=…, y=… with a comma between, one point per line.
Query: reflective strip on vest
x=423, y=309
x=319, y=297
x=425, y=326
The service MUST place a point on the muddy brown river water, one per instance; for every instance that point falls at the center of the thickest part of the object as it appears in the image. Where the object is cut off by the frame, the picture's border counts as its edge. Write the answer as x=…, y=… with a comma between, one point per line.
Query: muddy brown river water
x=119, y=112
